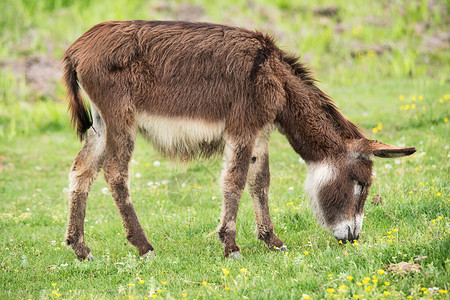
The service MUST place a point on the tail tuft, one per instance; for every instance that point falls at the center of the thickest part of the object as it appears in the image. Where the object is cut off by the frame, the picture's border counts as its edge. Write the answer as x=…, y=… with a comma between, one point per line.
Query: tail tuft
x=81, y=118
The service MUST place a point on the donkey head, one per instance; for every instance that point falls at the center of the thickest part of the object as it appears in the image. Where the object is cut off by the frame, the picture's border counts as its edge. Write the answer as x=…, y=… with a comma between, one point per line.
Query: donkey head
x=338, y=186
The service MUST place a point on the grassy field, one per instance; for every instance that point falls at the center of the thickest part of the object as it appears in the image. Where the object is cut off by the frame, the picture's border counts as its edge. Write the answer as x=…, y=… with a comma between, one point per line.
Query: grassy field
x=386, y=64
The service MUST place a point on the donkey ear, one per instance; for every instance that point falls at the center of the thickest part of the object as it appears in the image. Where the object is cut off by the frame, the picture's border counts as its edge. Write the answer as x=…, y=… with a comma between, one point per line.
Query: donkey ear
x=385, y=150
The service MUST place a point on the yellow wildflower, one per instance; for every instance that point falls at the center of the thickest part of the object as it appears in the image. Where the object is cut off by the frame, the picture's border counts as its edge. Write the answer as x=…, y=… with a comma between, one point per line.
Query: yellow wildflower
x=164, y=283
x=306, y=252
x=443, y=291
x=355, y=296
x=130, y=296
x=331, y=291
x=330, y=275
x=225, y=271
x=413, y=106
x=374, y=130
x=54, y=292
x=441, y=101
x=243, y=270
x=358, y=283
x=420, y=98
x=154, y=296
x=380, y=126
x=349, y=277
x=159, y=291
x=342, y=287
x=387, y=283
x=58, y=295
x=401, y=97
x=141, y=281
x=184, y=294
x=227, y=288
x=413, y=98
x=306, y=297
x=204, y=283
x=54, y=284
x=130, y=284
x=381, y=271
x=385, y=293
x=367, y=288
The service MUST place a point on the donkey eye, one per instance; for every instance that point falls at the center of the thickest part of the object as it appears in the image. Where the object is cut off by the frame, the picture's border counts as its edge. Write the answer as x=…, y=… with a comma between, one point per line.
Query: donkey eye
x=362, y=184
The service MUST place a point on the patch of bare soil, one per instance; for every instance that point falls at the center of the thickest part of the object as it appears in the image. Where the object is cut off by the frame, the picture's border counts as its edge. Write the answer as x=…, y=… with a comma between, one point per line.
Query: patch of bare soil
x=179, y=11
x=404, y=268
x=377, y=200
x=326, y=11
x=436, y=42
x=41, y=73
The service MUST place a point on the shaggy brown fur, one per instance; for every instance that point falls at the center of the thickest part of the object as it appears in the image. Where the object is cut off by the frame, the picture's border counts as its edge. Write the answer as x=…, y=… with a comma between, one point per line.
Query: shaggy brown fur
x=232, y=86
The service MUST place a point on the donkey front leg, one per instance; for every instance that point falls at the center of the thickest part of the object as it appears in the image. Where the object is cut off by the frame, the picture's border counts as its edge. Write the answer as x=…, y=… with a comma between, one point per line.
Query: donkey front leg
x=119, y=149
x=82, y=174
x=258, y=184
x=237, y=160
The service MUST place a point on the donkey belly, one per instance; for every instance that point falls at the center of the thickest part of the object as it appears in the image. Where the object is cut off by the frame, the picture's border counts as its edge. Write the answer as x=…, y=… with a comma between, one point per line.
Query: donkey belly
x=182, y=138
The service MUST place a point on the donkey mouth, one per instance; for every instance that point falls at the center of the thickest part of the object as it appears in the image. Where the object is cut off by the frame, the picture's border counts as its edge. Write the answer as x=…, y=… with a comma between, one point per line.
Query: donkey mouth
x=347, y=234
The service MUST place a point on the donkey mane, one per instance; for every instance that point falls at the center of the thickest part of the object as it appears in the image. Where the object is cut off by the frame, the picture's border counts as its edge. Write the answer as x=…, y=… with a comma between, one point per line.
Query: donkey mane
x=342, y=125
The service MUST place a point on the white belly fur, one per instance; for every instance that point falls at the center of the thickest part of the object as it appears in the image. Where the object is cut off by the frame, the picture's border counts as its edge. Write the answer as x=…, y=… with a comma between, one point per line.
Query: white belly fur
x=181, y=138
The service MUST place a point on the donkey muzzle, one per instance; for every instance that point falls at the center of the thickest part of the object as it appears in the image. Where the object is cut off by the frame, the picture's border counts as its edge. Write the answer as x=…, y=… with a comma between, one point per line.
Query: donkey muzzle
x=348, y=231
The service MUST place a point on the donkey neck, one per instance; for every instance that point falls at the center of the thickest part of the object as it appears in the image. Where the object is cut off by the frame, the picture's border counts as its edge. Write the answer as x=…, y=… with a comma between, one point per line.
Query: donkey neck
x=313, y=125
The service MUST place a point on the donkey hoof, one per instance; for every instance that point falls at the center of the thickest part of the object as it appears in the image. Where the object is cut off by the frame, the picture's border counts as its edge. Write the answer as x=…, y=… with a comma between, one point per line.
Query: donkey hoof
x=282, y=248
x=91, y=257
x=235, y=255
x=148, y=255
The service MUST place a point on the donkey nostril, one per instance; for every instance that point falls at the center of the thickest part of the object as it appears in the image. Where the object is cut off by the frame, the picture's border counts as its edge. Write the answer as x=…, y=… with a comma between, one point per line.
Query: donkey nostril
x=349, y=234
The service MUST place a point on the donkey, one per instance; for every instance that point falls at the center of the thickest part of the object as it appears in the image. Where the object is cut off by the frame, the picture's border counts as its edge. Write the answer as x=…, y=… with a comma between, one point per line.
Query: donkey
x=199, y=89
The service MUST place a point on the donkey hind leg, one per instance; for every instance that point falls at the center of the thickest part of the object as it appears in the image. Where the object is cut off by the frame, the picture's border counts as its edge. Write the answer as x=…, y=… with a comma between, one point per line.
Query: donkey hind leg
x=82, y=174
x=237, y=160
x=258, y=181
x=119, y=149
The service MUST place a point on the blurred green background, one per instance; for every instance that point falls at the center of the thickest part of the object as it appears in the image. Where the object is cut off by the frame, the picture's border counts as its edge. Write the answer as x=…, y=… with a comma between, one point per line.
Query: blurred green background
x=346, y=43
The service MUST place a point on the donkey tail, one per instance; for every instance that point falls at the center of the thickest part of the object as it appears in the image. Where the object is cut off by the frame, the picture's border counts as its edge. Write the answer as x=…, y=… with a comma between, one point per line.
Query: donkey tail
x=81, y=118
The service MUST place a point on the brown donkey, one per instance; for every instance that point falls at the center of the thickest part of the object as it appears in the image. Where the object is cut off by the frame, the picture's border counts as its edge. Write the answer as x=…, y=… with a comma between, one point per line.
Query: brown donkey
x=197, y=89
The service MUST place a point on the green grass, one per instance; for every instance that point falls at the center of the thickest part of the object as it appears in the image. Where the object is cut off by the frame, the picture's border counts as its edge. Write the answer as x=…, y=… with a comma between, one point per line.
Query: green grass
x=37, y=149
